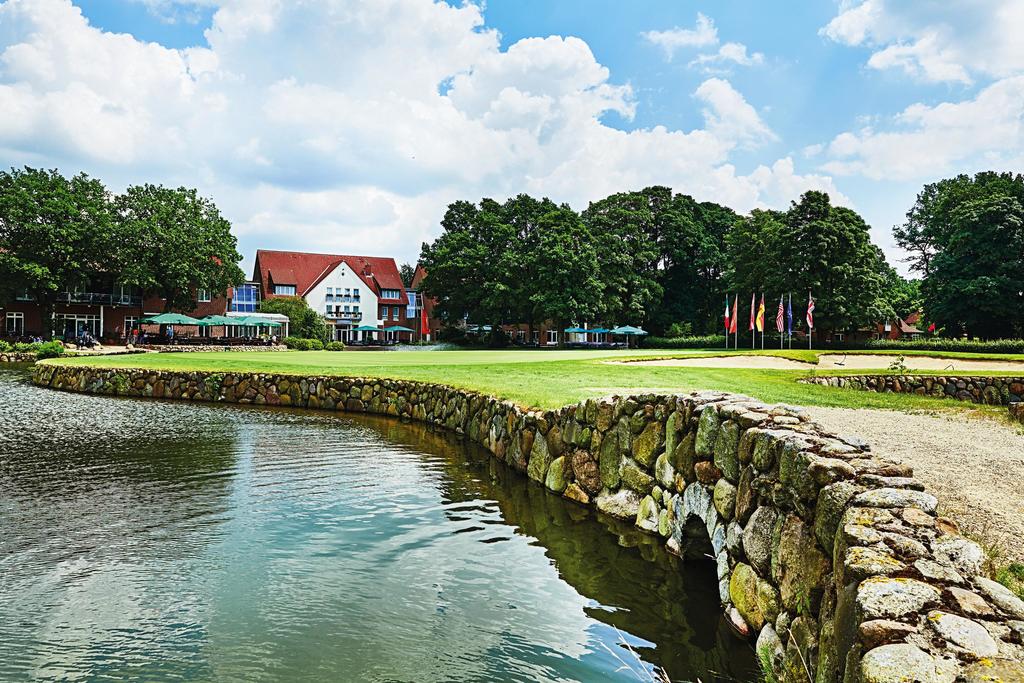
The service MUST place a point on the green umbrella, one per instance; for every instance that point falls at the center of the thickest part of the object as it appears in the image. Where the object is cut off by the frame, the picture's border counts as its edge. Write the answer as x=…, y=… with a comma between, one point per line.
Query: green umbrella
x=628, y=330
x=397, y=328
x=576, y=330
x=216, y=321
x=366, y=328
x=598, y=330
x=170, y=319
x=253, y=320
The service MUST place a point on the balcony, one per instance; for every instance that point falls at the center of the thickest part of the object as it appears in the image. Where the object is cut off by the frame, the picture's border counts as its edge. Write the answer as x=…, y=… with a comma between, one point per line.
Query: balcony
x=342, y=299
x=99, y=299
x=344, y=316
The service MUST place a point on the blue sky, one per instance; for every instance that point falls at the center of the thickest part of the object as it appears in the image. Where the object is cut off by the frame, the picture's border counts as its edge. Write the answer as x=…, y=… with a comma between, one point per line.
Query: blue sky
x=348, y=126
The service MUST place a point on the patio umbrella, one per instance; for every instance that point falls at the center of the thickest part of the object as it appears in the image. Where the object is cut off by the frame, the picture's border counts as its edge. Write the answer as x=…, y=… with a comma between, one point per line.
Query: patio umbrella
x=397, y=328
x=170, y=319
x=628, y=330
x=599, y=330
x=576, y=330
x=253, y=320
x=216, y=321
x=366, y=328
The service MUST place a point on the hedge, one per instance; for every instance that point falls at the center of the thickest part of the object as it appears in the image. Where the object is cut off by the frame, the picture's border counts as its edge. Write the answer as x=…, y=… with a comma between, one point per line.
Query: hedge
x=704, y=342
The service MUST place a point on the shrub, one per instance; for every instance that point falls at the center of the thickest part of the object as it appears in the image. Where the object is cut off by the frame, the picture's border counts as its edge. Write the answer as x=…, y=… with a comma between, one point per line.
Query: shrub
x=5, y=347
x=334, y=346
x=315, y=345
x=298, y=343
x=23, y=347
x=50, y=349
x=710, y=341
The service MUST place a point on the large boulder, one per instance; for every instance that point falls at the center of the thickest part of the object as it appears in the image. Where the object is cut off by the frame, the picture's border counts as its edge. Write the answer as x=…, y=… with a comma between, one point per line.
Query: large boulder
x=743, y=593
x=757, y=538
x=540, y=458
x=893, y=598
x=801, y=567
x=707, y=433
x=623, y=504
x=901, y=663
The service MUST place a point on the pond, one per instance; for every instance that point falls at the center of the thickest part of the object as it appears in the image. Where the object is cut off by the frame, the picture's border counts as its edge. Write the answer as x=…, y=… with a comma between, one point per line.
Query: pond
x=158, y=540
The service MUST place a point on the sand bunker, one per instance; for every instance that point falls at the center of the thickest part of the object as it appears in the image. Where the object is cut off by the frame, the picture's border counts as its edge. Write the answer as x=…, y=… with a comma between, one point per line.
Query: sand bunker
x=867, y=362
x=747, y=362
x=836, y=361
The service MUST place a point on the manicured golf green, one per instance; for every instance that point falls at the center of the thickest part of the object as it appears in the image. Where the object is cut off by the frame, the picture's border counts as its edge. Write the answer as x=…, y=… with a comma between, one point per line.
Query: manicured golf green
x=539, y=378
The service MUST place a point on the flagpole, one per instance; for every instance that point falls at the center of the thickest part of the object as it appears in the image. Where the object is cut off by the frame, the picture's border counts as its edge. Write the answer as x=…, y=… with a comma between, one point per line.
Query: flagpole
x=789, y=320
x=810, y=328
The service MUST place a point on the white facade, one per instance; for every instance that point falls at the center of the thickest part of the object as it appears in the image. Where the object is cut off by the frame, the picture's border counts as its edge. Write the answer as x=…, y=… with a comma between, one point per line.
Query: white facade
x=346, y=301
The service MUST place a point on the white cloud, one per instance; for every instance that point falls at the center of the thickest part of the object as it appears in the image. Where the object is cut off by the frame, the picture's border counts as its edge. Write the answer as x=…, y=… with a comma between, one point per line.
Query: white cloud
x=704, y=34
x=935, y=40
x=321, y=124
x=985, y=131
x=729, y=53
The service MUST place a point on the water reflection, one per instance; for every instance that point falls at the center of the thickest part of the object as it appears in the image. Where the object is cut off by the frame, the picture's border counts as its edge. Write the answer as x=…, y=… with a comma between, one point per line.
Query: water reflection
x=172, y=541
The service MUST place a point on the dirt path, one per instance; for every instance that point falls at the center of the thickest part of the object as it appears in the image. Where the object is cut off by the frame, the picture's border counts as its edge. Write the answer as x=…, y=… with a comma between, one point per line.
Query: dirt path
x=975, y=465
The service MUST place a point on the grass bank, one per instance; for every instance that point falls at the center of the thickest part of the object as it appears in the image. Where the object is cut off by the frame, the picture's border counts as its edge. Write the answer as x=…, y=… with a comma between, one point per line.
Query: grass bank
x=542, y=379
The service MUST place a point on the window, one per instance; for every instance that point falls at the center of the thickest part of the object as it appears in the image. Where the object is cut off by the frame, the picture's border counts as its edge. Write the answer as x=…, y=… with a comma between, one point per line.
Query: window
x=348, y=291
x=552, y=337
x=284, y=290
x=330, y=293
x=246, y=298
x=72, y=325
x=131, y=322
x=395, y=312
x=203, y=296
x=23, y=295
x=15, y=324
x=355, y=293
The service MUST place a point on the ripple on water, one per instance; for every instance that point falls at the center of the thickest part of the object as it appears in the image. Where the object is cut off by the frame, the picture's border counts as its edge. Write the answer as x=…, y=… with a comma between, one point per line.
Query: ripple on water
x=159, y=540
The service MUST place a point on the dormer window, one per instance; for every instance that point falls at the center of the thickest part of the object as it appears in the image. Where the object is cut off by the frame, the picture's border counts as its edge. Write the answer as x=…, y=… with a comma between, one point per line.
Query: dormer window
x=284, y=290
x=391, y=294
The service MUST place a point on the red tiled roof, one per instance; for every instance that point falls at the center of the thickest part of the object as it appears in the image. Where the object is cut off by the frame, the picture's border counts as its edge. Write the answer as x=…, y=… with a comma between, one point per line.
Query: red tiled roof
x=307, y=270
x=913, y=318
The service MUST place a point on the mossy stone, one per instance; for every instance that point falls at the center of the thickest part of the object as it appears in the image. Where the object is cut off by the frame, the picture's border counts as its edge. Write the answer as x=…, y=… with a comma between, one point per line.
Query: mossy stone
x=557, y=477
x=647, y=445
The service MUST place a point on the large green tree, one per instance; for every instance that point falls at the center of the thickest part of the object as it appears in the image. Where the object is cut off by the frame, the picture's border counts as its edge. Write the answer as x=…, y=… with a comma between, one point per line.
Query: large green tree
x=55, y=234
x=929, y=225
x=625, y=235
x=813, y=247
x=975, y=283
x=173, y=242
x=564, y=271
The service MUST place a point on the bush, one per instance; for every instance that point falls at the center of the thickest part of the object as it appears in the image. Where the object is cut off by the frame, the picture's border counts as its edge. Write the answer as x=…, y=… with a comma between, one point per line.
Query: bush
x=710, y=341
x=5, y=347
x=50, y=349
x=315, y=345
x=334, y=346
x=298, y=343
x=939, y=344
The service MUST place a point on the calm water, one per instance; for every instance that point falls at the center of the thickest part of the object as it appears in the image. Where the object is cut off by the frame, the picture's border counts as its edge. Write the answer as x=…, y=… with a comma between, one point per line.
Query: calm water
x=158, y=541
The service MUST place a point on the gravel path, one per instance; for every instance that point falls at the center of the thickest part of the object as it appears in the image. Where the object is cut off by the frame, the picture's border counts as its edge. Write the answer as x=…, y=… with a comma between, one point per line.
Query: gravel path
x=975, y=465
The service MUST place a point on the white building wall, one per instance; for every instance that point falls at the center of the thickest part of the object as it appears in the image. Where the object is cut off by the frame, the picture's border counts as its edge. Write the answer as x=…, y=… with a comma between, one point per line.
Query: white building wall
x=338, y=280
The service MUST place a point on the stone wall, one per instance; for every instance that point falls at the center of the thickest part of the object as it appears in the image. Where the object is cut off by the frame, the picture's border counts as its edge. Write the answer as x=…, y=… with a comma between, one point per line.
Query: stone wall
x=17, y=357
x=834, y=560
x=977, y=389
x=1017, y=411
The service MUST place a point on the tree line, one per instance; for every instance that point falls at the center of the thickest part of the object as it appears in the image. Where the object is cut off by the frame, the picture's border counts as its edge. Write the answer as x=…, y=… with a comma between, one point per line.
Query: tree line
x=657, y=259
x=59, y=233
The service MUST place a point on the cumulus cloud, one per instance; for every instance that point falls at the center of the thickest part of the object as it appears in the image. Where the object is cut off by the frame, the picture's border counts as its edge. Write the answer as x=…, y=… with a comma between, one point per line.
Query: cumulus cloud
x=936, y=40
x=729, y=53
x=329, y=125
x=926, y=140
x=704, y=34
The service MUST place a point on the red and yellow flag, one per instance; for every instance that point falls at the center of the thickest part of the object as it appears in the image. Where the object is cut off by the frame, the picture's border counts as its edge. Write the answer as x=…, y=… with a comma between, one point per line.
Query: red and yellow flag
x=760, y=315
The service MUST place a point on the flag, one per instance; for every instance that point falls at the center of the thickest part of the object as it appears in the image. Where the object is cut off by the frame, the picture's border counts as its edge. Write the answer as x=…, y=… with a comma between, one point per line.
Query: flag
x=810, y=312
x=789, y=315
x=931, y=328
x=760, y=315
x=779, y=316
x=424, y=324
x=753, y=301
x=735, y=313
x=726, y=312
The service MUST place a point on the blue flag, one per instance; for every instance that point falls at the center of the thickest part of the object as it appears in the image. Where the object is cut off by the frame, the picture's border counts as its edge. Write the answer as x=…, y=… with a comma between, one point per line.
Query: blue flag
x=789, y=314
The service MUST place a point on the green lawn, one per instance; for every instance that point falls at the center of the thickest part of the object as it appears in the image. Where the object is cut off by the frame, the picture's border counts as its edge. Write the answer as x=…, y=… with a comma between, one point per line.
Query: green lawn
x=540, y=378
